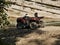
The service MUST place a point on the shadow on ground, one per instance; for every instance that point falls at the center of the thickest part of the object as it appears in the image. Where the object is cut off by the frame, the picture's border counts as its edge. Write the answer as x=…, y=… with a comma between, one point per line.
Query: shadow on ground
x=57, y=42
x=36, y=42
x=8, y=36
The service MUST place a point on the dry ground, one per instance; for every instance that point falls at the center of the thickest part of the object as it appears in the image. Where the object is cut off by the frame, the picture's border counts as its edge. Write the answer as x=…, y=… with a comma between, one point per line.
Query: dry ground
x=50, y=35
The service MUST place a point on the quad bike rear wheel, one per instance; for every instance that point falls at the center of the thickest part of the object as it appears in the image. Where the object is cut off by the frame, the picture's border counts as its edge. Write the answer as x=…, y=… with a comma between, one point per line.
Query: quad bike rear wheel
x=18, y=27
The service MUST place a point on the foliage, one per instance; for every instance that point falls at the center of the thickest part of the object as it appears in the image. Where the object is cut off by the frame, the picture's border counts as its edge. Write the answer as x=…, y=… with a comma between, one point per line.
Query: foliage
x=3, y=16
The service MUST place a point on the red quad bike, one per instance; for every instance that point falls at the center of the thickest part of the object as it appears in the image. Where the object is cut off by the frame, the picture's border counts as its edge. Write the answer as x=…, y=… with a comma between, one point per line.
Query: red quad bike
x=30, y=22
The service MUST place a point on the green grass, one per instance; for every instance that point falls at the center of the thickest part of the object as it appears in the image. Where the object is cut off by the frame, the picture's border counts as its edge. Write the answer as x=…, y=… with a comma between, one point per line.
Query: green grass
x=53, y=23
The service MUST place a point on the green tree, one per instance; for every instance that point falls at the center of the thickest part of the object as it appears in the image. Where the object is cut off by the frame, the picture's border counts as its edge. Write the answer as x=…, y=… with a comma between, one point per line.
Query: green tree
x=3, y=16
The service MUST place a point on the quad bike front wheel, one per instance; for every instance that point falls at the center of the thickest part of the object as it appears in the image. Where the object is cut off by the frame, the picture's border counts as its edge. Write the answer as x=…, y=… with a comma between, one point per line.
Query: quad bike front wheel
x=33, y=25
x=42, y=25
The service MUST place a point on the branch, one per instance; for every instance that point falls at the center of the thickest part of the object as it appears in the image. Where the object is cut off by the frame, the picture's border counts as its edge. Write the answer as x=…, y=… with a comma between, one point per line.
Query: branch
x=6, y=9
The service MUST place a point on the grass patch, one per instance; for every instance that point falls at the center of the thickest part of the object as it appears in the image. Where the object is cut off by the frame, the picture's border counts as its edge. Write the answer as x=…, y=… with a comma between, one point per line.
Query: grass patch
x=53, y=23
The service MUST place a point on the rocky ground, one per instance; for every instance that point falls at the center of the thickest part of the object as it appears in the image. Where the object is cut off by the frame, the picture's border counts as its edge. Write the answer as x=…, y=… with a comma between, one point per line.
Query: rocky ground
x=50, y=35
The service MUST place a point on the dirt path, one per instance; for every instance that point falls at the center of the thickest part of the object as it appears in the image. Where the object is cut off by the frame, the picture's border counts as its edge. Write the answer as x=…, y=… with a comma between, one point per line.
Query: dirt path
x=50, y=35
